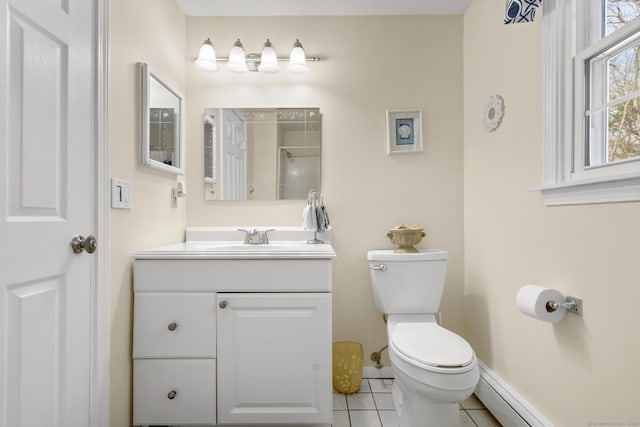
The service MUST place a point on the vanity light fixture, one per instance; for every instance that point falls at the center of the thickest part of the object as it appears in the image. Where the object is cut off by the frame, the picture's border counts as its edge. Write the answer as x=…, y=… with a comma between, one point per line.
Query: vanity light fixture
x=266, y=62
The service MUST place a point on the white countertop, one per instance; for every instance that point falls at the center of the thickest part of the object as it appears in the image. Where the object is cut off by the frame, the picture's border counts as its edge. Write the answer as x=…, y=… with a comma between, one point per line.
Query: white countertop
x=238, y=250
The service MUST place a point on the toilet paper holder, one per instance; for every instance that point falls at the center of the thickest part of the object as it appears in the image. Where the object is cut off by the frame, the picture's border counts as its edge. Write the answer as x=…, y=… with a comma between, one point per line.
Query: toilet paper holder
x=571, y=304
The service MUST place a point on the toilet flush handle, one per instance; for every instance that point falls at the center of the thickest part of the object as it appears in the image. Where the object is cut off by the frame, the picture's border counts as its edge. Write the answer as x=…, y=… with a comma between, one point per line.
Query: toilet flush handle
x=381, y=267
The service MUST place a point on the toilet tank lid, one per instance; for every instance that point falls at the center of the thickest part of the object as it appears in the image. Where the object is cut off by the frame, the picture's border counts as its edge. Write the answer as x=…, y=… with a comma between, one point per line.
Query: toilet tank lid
x=421, y=255
x=432, y=345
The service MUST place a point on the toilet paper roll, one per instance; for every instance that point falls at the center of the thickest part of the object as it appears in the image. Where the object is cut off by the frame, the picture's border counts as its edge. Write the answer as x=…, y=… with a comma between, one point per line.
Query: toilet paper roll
x=532, y=300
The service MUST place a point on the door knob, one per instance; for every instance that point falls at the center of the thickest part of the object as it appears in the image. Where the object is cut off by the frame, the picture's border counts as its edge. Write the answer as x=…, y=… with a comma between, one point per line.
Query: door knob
x=80, y=243
x=223, y=304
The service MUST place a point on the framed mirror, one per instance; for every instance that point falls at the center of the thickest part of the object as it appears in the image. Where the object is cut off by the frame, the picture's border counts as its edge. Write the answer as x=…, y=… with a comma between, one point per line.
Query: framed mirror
x=261, y=153
x=162, y=122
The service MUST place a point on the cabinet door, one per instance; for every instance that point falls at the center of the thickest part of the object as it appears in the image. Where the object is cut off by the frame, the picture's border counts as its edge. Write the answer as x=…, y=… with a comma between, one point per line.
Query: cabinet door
x=274, y=358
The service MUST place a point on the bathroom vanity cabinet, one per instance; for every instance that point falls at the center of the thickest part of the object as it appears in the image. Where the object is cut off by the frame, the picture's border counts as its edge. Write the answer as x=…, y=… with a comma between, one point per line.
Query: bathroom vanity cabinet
x=226, y=338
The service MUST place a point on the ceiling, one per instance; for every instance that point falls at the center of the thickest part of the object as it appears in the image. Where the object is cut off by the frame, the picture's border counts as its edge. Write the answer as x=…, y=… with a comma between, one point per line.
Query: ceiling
x=321, y=8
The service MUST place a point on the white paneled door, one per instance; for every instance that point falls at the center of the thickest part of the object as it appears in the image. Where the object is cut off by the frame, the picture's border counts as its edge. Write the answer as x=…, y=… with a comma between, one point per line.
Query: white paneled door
x=47, y=196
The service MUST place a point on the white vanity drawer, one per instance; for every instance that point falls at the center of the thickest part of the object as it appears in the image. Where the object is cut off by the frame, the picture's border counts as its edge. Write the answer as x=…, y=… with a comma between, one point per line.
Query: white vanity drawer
x=252, y=275
x=174, y=325
x=174, y=392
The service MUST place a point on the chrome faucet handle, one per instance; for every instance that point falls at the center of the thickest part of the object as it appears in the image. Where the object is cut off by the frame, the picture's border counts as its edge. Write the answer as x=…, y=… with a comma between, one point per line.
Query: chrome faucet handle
x=247, y=235
x=265, y=237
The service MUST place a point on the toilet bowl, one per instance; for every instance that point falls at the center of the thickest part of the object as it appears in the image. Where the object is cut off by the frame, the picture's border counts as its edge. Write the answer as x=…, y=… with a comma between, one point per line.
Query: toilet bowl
x=431, y=378
x=434, y=368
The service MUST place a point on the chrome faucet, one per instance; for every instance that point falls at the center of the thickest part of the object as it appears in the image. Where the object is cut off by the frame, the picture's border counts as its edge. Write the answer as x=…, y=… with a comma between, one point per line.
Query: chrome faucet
x=251, y=237
x=265, y=237
x=255, y=237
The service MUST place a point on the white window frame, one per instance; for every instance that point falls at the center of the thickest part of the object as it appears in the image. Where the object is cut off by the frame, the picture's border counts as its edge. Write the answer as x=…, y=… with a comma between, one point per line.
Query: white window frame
x=566, y=27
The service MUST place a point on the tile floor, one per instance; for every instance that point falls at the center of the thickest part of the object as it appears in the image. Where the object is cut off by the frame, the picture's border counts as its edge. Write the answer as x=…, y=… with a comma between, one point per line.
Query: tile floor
x=373, y=407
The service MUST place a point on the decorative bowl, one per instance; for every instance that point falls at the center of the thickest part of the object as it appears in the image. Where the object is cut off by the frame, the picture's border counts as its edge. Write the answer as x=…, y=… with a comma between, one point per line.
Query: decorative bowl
x=406, y=238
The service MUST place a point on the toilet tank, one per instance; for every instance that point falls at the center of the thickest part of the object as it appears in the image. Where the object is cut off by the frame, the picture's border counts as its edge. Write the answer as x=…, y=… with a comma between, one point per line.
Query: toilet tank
x=408, y=282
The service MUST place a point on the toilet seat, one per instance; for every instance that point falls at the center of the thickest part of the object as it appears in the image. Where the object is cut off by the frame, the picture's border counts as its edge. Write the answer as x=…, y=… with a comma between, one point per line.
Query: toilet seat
x=454, y=379
x=428, y=344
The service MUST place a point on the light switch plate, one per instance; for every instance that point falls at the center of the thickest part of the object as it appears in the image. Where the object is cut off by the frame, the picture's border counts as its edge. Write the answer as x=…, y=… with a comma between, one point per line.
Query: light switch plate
x=121, y=194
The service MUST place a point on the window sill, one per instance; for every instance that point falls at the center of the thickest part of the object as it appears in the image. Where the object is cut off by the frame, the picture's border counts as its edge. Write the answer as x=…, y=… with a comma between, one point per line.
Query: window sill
x=613, y=190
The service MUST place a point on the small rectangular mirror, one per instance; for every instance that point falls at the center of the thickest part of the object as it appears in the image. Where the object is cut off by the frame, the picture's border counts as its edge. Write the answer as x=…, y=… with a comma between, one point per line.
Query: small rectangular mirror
x=162, y=110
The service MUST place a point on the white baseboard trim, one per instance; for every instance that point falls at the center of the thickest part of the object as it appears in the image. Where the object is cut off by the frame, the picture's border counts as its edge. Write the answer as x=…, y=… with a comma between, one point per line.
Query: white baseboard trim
x=505, y=403
x=373, y=372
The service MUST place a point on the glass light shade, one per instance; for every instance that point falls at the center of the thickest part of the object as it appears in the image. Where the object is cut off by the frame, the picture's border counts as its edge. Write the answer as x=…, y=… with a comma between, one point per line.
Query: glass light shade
x=207, y=57
x=297, y=59
x=237, y=61
x=268, y=59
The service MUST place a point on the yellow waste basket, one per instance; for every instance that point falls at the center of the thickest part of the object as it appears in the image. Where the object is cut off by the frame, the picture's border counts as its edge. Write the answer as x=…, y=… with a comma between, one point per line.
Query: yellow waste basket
x=348, y=358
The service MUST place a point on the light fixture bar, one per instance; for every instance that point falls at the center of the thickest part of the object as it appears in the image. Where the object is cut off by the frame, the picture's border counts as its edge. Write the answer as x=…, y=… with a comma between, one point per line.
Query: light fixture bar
x=253, y=60
x=266, y=61
x=256, y=56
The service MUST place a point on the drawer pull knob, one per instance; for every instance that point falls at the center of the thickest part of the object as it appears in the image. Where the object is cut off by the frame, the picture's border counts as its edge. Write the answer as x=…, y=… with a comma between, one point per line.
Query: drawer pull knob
x=223, y=304
x=172, y=326
x=172, y=394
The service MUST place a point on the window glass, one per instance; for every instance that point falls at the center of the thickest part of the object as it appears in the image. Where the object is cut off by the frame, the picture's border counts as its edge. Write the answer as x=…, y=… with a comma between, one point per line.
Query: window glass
x=613, y=113
x=613, y=105
x=619, y=12
x=624, y=113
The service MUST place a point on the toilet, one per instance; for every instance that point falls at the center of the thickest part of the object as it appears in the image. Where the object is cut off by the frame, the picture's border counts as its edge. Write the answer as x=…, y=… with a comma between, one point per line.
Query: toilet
x=434, y=368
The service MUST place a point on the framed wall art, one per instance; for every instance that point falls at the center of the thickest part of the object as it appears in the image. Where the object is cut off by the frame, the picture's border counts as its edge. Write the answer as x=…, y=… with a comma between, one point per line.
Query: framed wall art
x=404, y=131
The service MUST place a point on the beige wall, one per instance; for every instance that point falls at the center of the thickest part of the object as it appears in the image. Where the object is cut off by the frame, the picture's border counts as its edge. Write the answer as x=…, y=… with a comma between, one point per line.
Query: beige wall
x=500, y=238
x=152, y=31
x=362, y=205
x=582, y=369
x=372, y=64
